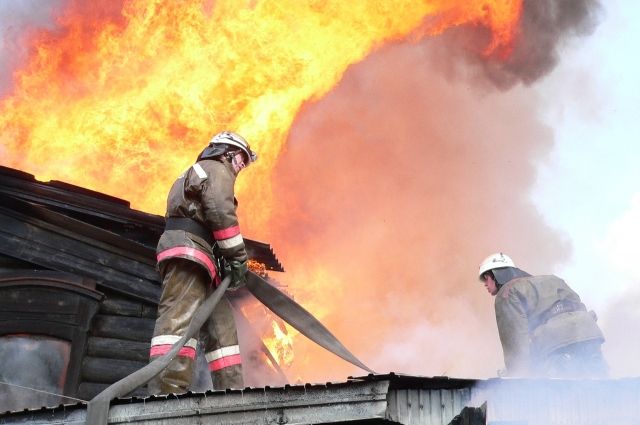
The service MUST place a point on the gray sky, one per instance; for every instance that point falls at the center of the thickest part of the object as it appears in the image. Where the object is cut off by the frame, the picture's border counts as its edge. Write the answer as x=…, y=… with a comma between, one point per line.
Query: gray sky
x=588, y=189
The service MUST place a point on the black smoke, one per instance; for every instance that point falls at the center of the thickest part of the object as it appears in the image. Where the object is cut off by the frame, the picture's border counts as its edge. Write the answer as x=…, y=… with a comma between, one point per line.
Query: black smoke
x=547, y=28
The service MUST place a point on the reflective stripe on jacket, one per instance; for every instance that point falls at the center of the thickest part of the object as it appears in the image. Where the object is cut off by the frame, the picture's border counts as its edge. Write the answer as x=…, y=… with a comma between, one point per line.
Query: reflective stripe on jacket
x=205, y=194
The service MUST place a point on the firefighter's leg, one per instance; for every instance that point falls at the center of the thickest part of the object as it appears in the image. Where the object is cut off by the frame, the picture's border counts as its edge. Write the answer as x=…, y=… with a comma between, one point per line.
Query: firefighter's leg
x=221, y=348
x=591, y=361
x=579, y=360
x=184, y=287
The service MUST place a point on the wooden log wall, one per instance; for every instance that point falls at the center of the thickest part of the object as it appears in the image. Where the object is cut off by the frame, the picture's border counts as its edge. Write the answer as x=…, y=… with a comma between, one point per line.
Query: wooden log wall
x=118, y=343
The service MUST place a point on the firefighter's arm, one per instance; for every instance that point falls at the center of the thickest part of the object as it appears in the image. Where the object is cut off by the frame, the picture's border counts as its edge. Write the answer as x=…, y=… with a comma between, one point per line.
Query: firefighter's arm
x=220, y=213
x=513, y=328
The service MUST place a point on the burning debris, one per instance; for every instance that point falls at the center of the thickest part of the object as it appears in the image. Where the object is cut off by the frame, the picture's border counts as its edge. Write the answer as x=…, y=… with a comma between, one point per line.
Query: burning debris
x=276, y=335
x=258, y=268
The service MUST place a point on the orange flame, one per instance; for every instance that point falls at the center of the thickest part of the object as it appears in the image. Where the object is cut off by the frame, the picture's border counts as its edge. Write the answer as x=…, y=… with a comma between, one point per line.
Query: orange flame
x=122, y=102
x=280, y=344
x=277, y=338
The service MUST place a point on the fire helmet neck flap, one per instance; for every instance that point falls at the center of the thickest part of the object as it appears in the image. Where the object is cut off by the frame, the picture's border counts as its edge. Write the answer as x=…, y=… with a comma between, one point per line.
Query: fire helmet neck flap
x=225, y=142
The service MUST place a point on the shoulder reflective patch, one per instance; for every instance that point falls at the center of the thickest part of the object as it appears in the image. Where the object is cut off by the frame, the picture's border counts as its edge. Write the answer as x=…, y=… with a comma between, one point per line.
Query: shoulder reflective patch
x=199, y=171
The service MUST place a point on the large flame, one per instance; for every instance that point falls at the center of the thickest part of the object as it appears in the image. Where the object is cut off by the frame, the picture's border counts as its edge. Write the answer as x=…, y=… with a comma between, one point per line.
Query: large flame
x=122, y=102
x=121, y=99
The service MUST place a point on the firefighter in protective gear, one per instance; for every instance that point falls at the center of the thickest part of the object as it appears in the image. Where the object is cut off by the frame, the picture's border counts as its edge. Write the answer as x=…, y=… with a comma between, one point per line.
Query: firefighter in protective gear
x=201, y=232
x=544, y=328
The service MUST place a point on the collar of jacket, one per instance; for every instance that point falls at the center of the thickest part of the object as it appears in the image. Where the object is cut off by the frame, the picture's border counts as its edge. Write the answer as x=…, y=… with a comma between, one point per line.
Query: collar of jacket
x=505, y=274
x=227, y=163
x=224, y=161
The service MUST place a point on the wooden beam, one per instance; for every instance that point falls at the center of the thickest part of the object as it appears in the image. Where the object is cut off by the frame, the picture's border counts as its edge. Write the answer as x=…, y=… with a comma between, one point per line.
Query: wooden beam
x=119, y=306
x=122, y=327
x=118, y=349
x=108, y=371
x=55, y=251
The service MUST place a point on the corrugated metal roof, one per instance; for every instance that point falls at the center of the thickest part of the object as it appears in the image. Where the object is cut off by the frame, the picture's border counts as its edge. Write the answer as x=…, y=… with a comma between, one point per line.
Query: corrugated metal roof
x=377, y=398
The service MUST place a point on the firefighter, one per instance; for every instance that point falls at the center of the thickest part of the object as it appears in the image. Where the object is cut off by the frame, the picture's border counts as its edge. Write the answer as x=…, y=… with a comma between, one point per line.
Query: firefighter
x=544, y=328
x=201, y=217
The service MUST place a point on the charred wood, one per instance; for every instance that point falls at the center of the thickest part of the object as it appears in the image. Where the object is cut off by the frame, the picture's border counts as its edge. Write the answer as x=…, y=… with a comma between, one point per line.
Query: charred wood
x=121, y=327
x=52, y=250
x=118, y=306
x=108, y=371
x=119, y=349
x=62, y=195
x=80, y=231
x=472, y=416
x=8, y=263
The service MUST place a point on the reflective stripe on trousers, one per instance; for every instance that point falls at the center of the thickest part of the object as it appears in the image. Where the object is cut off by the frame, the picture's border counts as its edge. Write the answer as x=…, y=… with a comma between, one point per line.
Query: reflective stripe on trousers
x=223, y=357
x=185, y=286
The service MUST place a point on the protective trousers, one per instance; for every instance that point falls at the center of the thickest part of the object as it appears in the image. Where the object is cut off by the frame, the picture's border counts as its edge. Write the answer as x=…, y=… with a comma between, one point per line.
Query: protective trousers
x=185, y=284
x=576, y=361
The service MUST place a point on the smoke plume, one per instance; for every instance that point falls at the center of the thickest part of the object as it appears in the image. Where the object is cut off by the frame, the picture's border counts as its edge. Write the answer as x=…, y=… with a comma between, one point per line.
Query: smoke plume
x=397, y=183
x=404, y=177
x=620, y=323
x=547, y=27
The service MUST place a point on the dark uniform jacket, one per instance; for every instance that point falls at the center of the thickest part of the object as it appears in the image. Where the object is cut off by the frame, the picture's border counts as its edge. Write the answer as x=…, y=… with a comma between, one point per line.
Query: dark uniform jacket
x=537, y=315
x=205, y=194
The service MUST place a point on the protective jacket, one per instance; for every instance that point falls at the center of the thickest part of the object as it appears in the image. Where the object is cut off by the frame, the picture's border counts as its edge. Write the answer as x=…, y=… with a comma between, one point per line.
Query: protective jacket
x=537, y=316
x=205, y=194
x=201, y=209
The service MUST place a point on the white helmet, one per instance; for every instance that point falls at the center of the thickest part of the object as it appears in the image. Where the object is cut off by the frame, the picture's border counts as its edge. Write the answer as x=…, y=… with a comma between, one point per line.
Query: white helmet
x=235, y=140
x=495, y=261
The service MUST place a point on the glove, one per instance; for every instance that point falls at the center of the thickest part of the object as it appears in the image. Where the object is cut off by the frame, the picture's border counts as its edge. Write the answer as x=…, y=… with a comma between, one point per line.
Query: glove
x=238, y=272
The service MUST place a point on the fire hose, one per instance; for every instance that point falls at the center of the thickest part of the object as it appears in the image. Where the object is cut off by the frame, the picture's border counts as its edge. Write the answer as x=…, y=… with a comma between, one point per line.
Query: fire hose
x=98, y=407
x=299, y=318
x=276, y=301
